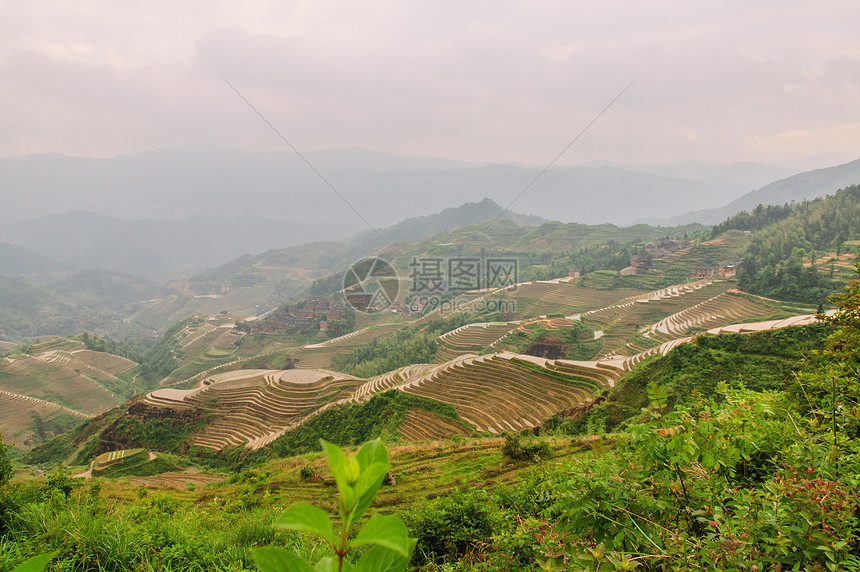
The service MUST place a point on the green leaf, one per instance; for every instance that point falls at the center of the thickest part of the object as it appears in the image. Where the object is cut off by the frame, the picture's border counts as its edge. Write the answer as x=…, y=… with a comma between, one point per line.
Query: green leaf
x=372, y=452
x=36, y=563
x=338, y=462
x=379, y=559
x=386, y=531
x=342, y=470
x=279, y=560
x=366, y=487
x=306, y=517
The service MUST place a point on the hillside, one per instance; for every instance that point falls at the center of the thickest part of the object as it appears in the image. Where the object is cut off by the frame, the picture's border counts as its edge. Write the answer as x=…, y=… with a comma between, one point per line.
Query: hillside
x=56, y=386
x=106, y=291
x=20, y=262
x=802, y=186
x=809, y=254
x=240, y=390
x=29, y=310
x=159, y=250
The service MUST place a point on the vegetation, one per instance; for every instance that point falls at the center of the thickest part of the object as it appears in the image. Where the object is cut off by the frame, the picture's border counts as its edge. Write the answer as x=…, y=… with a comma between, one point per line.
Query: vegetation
x=783, y=259
x=351, y=425
x=762, y=361
x=358, y=479
x=760, y=217
x=574, y=342
x=405, y=347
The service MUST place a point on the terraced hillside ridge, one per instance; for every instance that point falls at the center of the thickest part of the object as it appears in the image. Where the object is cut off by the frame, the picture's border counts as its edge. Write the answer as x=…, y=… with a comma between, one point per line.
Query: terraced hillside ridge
x=202, y=346
x=45, y=377
x=497, y=394
x=466, y=339
x=722, y=309
x=113, y=459
x=17, y=417
x=626, y=364
x=623, y=320
x=548, y=297
x=60, y=383
x=254, y=407
x=358, y=337
x=427, y=426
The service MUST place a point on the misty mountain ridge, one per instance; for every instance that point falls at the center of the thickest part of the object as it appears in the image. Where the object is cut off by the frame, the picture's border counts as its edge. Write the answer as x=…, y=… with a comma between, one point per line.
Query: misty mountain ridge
x=799, y=187
x=213, y=182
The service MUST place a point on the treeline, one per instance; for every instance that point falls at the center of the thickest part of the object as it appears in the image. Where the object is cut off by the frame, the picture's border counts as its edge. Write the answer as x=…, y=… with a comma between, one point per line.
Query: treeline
x=611, y=255
x=106, y=345
x=350, y=425
x=760, y=217
x=775, y=263
x=160, y=359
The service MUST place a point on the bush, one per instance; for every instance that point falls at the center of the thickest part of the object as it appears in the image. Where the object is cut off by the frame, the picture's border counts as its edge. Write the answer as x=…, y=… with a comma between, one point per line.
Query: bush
x=452, y=527
x=514, y=450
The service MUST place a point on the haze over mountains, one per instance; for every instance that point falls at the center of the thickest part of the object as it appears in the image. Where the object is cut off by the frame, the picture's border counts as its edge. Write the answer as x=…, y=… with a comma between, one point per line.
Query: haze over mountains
x=807, y=185
x=85, y=238
x=216, y=182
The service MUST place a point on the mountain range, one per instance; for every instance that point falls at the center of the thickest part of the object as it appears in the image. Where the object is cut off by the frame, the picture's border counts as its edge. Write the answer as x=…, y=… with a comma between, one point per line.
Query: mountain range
x=213, y=183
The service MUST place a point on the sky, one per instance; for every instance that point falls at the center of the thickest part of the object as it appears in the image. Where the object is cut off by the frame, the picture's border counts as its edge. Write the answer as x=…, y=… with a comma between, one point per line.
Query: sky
x=773, y=82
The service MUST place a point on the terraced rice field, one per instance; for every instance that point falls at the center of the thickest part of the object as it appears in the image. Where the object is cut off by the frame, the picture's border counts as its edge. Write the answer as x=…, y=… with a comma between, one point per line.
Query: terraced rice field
x=255, y=406
x=621, y=321
x=196, y=340
x=426, y=426
x=112, y=458
x=63, y=344
x=494, y=394
x=54, y=380
x=473, y=336
x=16, y=417
x=94, y=365
x=723, y=309
x=174, y=480
x=317, y=358
x=109, y=363
x=536, y=298
x=358, y=337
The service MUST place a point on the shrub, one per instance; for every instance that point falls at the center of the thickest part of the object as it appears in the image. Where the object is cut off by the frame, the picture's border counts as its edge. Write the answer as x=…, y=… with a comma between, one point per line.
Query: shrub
x=515, y=450
x=452, y=527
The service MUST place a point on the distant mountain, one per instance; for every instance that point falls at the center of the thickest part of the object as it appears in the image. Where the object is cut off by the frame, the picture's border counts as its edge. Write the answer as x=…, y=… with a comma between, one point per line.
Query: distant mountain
x=30, y=310
x=319, y=258
x=106, y=291
x=743, y=177
x=807, y=185
x=17, y=261
x=214, y=183
x=156, y=250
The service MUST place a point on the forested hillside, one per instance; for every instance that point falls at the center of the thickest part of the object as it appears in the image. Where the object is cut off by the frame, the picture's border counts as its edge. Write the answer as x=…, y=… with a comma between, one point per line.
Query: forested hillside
x=804, y=256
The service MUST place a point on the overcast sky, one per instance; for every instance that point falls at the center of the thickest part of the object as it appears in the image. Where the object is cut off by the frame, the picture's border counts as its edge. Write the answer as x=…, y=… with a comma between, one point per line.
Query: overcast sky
x=776, y=82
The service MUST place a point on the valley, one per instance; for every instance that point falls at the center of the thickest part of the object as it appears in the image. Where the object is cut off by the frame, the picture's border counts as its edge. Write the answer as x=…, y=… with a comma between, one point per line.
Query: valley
x=484, y=389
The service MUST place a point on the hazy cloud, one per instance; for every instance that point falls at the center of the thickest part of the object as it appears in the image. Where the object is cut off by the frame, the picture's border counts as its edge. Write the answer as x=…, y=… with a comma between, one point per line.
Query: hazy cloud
x=774, y=82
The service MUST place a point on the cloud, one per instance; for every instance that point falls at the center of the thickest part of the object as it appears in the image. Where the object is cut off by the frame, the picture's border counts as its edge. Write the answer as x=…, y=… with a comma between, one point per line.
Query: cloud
x=484, y=81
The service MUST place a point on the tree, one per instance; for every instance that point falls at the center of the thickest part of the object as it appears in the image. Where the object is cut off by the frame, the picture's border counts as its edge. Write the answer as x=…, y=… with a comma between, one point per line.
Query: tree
x=845, y=343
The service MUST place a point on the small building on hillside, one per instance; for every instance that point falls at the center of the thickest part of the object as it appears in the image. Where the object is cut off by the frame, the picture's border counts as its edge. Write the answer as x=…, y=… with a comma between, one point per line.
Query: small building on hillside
x=574, y=272
x=728, y=269
x=639, y=263
x=701, y=271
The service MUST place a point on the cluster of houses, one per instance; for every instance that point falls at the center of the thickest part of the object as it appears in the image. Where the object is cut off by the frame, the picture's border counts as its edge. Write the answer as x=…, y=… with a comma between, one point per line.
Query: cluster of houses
x=726, y=269
x=666, y=246
x=294, y=317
